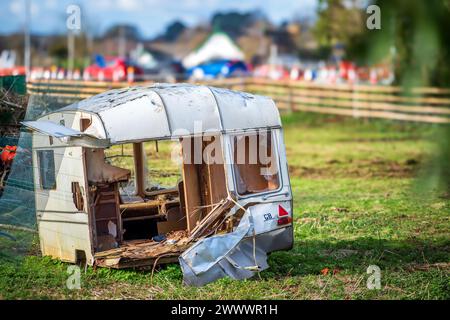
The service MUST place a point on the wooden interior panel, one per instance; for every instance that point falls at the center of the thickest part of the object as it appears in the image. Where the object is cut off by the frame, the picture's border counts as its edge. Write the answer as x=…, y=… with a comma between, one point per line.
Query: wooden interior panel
x=98, y=171
x=84, y=124
x=106, y=208
x=176, y=220
x=216, y=182
x=138, y=153
x=77, y=196
x=204, y=184
x=191, y=195
x=180, y=188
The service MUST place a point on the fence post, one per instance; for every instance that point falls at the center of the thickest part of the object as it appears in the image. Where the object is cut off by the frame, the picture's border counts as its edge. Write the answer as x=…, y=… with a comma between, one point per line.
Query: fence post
x=291, y=97
x=354, y=109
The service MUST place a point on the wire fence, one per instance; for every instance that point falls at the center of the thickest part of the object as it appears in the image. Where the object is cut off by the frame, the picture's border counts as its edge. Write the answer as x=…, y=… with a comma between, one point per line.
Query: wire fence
x=17, y=202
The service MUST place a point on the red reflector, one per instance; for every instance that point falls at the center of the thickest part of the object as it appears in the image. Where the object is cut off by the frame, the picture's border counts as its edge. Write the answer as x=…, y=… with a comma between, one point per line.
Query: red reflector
x=284, y=220
x=282, y=212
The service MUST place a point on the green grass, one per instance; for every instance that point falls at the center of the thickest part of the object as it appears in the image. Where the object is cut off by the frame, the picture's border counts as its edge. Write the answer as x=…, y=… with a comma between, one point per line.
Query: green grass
x=358, y=201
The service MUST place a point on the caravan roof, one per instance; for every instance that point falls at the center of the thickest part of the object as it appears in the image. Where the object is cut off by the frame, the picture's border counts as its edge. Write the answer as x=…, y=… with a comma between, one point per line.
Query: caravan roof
x=169, y=110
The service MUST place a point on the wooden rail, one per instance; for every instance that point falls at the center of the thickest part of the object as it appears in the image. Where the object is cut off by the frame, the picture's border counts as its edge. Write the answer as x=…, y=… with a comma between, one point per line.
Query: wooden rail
x=431, y=105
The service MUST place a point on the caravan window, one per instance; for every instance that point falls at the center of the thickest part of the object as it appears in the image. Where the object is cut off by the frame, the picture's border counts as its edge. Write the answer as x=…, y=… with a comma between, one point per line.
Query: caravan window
x=162, y=163
x=255, y=163
x=46, y=163
x=122, y=156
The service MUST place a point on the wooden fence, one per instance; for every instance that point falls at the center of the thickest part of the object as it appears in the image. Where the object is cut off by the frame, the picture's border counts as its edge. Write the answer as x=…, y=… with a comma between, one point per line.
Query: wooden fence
x=431, y=105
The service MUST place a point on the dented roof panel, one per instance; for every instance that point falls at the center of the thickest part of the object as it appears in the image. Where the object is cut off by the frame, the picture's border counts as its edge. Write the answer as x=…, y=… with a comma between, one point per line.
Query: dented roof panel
x=138, y=119
x=162, y=110
x=190, y=109
x=240, y=110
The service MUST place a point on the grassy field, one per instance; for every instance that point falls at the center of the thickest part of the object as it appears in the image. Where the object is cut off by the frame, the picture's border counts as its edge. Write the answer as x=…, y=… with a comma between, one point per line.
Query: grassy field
x=358, y=202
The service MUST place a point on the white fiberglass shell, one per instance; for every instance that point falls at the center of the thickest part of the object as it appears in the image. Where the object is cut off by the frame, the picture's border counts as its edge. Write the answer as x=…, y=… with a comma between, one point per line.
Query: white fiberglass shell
x=174, y=110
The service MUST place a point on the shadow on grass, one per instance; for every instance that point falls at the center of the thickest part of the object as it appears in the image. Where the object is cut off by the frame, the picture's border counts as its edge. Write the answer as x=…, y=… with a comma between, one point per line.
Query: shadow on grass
x=310, y=257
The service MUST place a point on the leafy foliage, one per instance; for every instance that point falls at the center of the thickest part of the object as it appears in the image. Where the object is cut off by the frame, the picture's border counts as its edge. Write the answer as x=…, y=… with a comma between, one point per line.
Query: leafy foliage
x=338, y=21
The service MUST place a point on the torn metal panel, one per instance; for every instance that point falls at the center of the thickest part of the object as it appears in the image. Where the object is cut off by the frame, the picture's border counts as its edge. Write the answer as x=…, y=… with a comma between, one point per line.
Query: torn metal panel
x=241, y=263
x=234, y=254
x=68, y=136
x=52, y=129
x=280, y=239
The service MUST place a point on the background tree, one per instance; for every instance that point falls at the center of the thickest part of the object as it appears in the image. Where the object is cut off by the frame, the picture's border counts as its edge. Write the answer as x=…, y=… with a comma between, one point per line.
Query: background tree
x=415, y=38
x=338, y=21
x=235, y=23
x=174, y=30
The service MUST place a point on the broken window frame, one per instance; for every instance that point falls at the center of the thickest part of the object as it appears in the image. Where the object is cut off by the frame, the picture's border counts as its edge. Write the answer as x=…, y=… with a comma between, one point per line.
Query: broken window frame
x=276, y=155
x=147, y=162
x=133, y=179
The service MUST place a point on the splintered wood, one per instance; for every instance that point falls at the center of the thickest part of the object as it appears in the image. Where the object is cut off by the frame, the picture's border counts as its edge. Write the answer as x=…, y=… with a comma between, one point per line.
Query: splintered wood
x=144, y=253
x=141, y=253
x=212, y=220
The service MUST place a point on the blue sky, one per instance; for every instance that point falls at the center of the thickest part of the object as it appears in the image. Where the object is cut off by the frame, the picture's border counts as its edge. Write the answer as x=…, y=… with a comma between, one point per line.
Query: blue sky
x=150, y=16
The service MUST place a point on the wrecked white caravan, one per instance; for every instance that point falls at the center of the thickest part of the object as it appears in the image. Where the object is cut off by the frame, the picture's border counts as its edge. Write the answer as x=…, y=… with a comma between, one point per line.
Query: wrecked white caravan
x=221, y=218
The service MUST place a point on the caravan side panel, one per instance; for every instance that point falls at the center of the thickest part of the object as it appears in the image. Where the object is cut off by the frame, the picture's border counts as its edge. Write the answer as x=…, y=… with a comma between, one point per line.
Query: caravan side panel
x=63, y=228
